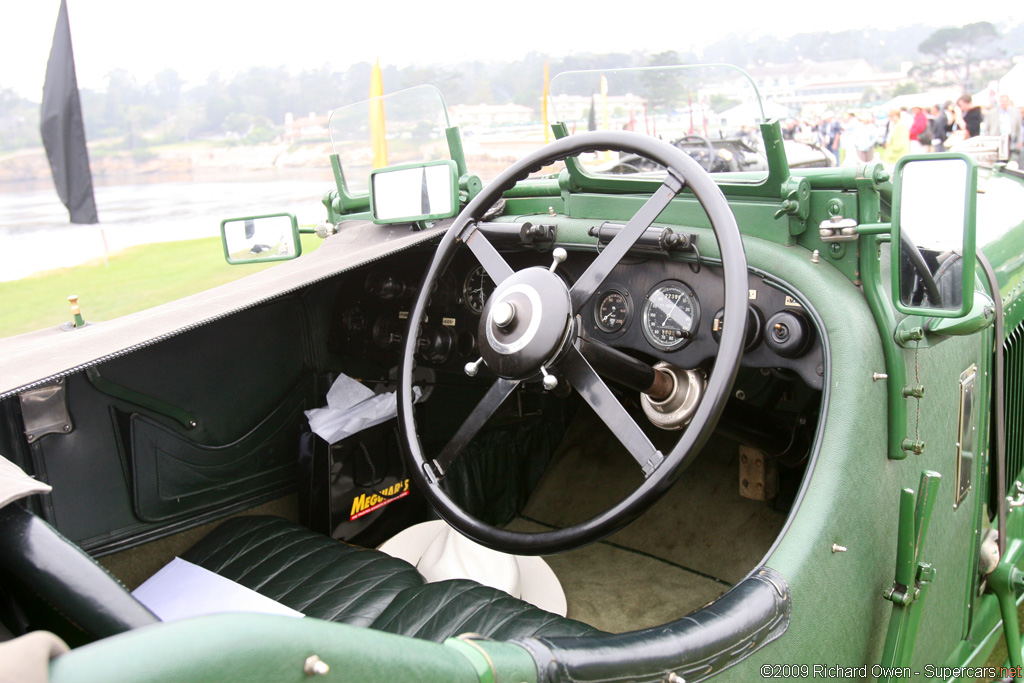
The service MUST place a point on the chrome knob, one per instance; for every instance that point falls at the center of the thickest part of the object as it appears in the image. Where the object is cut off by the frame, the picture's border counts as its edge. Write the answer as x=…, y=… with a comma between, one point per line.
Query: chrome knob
x=472, y=368
x=550, y=381
x=559, y=255
x=503, y=313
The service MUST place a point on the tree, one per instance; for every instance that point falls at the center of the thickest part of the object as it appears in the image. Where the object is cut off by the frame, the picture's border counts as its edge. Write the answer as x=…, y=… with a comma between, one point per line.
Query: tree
x=19, y=121
x=951, y=53
x=664, y=89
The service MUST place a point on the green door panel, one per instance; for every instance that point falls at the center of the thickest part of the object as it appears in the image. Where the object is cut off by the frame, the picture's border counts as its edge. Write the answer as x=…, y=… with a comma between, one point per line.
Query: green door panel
x=119, y=473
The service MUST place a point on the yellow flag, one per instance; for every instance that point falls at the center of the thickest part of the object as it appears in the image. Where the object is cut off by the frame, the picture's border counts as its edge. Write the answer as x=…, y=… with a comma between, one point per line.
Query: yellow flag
x=544, y=104
x=377, y=119
x=604, y=156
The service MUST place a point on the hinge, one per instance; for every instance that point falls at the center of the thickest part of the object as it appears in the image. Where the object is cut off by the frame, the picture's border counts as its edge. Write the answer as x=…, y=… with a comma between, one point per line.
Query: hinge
x=44, y=410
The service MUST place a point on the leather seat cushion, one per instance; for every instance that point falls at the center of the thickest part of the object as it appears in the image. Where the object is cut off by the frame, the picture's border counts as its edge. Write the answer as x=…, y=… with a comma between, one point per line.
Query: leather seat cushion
x=306, y=571
x=436, y=611
x=331, y=580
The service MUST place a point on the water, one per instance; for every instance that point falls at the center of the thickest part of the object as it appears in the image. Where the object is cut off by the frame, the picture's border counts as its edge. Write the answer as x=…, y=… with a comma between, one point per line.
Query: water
x=35, y=235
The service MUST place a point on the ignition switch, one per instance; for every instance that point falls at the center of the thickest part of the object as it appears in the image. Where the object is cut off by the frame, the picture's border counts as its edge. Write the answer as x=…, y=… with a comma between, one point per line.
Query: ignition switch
x=788, y=334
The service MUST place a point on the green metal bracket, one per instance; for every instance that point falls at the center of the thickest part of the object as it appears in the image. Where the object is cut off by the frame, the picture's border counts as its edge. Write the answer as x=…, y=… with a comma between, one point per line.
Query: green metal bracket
x=328, y=201
x=885, y=321
x=796, y=203
x=981, y=316
x=912, y=575
x=469, y=187
x=920, y=332
x=345, y=201
x=909, y=332
x=455, y=150
x=150, y=403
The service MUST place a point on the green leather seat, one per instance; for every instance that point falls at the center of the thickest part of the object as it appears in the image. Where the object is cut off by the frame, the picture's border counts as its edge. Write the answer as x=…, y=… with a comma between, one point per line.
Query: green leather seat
x=330, y=580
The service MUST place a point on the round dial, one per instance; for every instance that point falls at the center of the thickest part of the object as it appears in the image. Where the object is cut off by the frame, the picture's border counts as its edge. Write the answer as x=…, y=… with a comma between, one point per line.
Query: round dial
x=670, y=315
x=476, y=289
x=612, y=311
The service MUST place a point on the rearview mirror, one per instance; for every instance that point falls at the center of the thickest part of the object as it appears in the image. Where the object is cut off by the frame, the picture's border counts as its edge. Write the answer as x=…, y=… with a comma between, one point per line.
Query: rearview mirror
x=414, y=192
x=259, y=239
x=933, y=223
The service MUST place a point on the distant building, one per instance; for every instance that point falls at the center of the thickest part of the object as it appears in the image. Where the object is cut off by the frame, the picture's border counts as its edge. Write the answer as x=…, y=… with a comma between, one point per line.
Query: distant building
x=492, y=114
x=815, y=85
x=310, y=127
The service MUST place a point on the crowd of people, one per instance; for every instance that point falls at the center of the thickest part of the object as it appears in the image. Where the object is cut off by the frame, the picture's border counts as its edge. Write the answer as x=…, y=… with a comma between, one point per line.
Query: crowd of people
x=857, y=137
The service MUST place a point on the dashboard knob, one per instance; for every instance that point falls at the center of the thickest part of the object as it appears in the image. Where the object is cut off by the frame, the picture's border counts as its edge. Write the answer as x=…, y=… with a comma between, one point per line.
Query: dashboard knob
x=788, y=334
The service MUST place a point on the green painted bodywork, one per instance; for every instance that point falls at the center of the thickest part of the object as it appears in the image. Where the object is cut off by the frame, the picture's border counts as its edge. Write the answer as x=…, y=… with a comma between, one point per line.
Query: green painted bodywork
x=258, y=647
x=878, y=432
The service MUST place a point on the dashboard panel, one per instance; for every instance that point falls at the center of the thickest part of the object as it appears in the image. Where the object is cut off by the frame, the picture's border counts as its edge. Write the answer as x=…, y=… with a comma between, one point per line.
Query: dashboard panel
x=655, y=307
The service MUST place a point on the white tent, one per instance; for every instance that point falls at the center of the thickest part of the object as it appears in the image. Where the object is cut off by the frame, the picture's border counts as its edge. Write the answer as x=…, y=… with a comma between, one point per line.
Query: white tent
x=1012, y=84
x=748, y=113
x=939, y=96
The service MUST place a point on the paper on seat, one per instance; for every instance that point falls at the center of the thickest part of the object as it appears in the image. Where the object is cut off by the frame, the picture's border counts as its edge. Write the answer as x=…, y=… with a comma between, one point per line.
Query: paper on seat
x=181, y=590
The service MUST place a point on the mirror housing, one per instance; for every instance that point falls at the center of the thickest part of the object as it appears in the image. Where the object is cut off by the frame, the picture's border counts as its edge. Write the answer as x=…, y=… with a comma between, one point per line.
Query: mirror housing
x=933, y=234
x=260, y=239
x=414, y=192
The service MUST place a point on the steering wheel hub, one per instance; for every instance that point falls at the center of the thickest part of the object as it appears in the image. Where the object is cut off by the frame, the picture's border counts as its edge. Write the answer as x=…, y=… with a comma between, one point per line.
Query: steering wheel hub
x=524, y=323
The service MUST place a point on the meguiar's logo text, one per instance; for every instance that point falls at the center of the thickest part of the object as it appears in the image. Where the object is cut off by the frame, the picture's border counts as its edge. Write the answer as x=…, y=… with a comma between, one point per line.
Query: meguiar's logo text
x=366, y=503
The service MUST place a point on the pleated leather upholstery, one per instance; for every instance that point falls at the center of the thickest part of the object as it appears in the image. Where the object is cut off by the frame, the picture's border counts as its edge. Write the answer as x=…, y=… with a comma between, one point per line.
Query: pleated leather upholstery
x=436, y=611
x=309, y=572
x=331, y=580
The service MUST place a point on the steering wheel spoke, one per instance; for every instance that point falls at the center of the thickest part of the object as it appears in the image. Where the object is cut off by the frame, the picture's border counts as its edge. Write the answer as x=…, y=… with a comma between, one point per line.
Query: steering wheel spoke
x=483, y=411
x=489, y=258
x=596, y=393
x=596, y=273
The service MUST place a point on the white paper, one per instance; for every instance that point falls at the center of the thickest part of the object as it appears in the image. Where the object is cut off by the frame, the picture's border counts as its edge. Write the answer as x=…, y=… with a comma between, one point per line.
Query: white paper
x=351, y=408
x=181, y=590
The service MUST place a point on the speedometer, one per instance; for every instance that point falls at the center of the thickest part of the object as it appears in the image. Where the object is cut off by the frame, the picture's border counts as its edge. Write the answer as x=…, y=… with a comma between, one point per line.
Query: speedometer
x=670, y=315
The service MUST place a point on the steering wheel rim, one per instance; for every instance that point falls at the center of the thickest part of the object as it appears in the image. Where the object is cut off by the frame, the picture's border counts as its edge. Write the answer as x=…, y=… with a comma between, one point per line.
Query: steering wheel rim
x=707, y=145
x=682, y=171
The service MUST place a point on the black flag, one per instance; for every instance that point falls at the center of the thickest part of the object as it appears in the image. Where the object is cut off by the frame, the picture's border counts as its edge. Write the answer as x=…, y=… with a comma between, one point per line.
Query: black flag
x=63, y=129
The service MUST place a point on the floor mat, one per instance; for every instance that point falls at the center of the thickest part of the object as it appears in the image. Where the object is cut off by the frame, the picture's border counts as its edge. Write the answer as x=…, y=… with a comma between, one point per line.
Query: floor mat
x=702, y=523
x=617, y=589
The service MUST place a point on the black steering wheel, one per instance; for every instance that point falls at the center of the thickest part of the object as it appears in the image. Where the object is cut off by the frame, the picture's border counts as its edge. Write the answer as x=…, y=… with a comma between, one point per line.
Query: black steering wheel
x=707, y=160
x=528, y=330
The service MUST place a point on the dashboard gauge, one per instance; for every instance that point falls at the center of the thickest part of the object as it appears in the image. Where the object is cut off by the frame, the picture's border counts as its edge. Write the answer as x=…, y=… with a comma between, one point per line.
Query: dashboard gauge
x=670, y=315
x=612, y=311
x=444, y=293
x=476, y=289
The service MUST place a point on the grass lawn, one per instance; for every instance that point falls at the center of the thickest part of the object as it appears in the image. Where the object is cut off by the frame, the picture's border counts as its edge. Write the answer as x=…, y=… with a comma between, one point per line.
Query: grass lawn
x=136, y=278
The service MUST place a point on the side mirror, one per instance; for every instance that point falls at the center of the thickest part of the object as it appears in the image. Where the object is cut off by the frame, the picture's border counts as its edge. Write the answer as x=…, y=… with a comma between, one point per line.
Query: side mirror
x=933, y=224
x=414, y=192
x=259, y=239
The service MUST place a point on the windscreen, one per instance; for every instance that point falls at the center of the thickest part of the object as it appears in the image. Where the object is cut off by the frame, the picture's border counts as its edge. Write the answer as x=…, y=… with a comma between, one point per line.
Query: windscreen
x=404, y=127
x=712, y=112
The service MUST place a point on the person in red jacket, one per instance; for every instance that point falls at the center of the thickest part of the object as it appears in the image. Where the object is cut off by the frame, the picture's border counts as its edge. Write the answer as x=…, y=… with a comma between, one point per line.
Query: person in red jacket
x=916, y=128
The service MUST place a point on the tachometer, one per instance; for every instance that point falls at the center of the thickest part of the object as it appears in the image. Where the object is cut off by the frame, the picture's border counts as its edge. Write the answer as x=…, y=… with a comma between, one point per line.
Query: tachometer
x=612, y=311
x=670, y=315
x=476, y=289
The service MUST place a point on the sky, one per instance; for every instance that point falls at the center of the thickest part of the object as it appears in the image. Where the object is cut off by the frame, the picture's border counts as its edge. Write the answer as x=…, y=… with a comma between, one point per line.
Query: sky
x=197, y=37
